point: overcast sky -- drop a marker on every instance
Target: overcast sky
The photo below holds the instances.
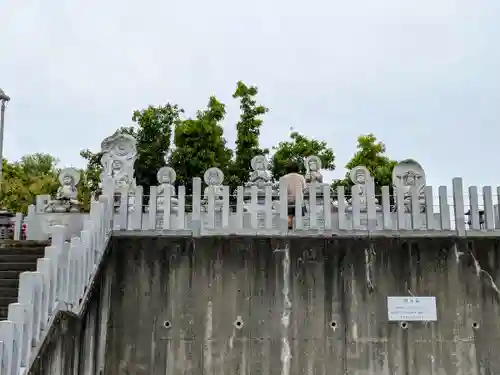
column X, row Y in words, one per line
column 423, row 76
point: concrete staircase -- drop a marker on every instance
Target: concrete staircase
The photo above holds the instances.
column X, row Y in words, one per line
column 16, row 257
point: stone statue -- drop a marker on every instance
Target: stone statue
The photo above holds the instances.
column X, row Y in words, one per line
column 119, row 154
column 213, row 178
column 313, row 167
column 261, row 178
column 362, row 178
column 314, row 177
column 166, row 177
column 409, row 176
column 66, row 198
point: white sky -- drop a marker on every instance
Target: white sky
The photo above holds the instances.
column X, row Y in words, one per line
column 422, row 75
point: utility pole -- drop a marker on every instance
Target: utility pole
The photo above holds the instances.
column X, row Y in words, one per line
column 4, row 98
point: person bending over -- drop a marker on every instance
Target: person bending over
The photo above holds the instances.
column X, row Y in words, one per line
column 293, row 181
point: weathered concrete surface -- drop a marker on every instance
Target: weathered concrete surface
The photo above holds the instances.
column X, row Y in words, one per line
column 60, row 347
column 170, row 305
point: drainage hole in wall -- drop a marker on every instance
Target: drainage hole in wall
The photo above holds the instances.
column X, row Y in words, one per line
column 403, row 325
column 475, row 325
column 167, row 324
column 238, row 323
column 333, row 324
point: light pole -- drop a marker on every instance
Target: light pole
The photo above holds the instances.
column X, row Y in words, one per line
column 4, row 98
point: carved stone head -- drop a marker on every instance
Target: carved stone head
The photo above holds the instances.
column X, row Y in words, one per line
column 360, row 175
column 410, row 178
column 259, row 163
column 69, row 177
column 313, row 163
column 213, row 176
column 409, row 174
column 166, row 175
column 124, row 146
column 68, row 180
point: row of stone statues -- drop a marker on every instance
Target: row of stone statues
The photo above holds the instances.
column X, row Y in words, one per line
column 407, row 175
column 119, row 153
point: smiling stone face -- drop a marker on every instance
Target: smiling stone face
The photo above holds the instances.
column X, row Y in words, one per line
column 68, row 180
column 360, row 177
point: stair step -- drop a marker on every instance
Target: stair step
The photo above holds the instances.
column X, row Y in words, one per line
column 4, row 312
column 20, row 258
column 5, row 301
column 20, row 267
column 39, row 251
column 9, row 275
column 9, row 292
column 23, row 244
column 9, row 283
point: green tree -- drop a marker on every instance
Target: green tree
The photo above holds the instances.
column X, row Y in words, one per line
column 247, row 133
column 200, row 144
column 371, row 154
column 153, row 141
column 298, row 149
column 32, row 175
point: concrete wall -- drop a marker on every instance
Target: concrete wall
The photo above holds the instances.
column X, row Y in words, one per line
column 171, row 305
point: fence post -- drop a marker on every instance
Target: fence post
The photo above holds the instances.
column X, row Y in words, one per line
column 7, row 336
column 44, row 266
column 136, row 216
column 26, row 298
column 181, row 215
column 225, row 207
column 240, row 211
column 32, row 225
column 458, row 205
column 37, row 282
column 313, row 207
column 18, row 224
column 283, row 217
column 17, row 314
column 196, row 207
column 341, row 208
column 268, row 207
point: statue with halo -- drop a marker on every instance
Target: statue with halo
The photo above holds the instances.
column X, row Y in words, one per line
column 313, row 167
column 67, row 195
column 213, row 178
column 409, row 176
column 119, row 152
column 261, row 178
column 362, row 178
column 166, row 177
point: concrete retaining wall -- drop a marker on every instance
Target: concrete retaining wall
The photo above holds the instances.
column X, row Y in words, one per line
column 256, row 305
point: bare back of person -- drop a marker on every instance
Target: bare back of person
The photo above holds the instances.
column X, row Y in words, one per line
column 294, row 181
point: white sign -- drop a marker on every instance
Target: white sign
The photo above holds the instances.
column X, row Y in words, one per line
column 412, row 309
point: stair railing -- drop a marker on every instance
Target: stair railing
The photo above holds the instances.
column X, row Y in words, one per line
column 59, row 283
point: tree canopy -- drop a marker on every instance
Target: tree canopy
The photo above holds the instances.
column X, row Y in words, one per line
column 23, row 180
column 247, row 133
column 199, row 144
column 154, row 132
column 297, row 149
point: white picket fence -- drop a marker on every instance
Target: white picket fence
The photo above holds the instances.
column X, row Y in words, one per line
column 214, row 218
column 62, row 276
column 59, row 282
